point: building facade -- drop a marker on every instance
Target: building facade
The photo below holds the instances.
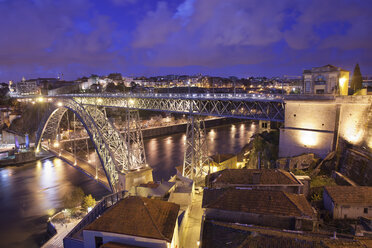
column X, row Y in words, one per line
column 29, row 87
column 315, row 124
column 348, row 202
column 326, row 79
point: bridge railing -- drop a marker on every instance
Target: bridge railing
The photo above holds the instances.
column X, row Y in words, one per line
column 238, row 96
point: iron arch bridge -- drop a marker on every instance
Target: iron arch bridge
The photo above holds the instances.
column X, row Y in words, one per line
column 242, row 106
column 115, row 153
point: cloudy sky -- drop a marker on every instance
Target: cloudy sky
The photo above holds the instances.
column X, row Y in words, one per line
column 41, row 38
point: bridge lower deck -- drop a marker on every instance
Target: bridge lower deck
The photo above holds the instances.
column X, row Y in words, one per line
column 82, row 165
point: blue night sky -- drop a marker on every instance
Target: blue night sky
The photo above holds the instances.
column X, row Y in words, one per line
column 41, row 38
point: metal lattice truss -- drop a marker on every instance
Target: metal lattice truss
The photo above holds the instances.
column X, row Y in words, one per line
column 134, row 139
column 117, row 144
column 49, row 125
column 109, row 144
column 196, row 160
column 253, row 109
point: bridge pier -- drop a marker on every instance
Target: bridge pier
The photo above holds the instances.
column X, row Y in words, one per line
column 196, row 160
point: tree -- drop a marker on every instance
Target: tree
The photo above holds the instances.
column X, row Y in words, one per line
column 74, row 199
column 88, row 202
column 356, row 82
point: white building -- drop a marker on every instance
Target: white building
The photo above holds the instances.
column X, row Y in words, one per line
column 348, row 202
column 28, row 87
column 135, row 221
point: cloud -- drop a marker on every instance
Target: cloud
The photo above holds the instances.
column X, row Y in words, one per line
column 221, row 33
column 155, row 28
column 81, row 36
column 48, row 36
column 123, row 2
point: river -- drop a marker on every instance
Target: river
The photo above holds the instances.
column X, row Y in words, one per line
column 30, row 193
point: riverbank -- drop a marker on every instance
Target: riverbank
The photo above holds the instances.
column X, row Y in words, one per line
column 181, row 128
column 24, row 158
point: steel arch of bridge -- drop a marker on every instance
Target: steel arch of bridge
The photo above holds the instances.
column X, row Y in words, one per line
column 243, row 108
column 107, row 140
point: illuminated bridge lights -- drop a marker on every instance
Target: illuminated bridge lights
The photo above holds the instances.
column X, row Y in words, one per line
column 244, row 106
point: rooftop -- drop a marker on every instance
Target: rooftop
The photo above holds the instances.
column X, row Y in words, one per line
column 350, row 194
column 324, row 68
column 219, row 158
column 220, row 234
column 138, row 216
column 155, row 189
column 252, row 176
column 151, row 185
column 258, row 201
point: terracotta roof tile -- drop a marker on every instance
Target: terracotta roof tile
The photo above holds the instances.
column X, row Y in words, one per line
column 258, row 201
column 252, row 176
column 218, row 234
column 350, row 194
column 138, row 216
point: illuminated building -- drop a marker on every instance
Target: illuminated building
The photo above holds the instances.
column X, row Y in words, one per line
column 326, row 79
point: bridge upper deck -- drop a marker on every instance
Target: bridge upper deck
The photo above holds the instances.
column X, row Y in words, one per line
column 244, row 106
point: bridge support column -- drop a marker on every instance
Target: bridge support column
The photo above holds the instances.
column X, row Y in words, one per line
column 196, row 160
column 134, row 138
column 136, row 152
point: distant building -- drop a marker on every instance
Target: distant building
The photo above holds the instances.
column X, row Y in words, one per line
column 135, row 222
column 268, row 179
column 27, row 87
column 259, row 207
column 326, row 79
column 348, row 202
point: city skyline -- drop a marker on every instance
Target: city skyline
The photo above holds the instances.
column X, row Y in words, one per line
column 141, row 37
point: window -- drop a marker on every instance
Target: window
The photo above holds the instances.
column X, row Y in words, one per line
column 98, row 241
column 307, row 86
column 366, row 210
column 264, row 124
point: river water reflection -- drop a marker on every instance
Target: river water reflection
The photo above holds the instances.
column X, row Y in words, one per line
column 29, row 194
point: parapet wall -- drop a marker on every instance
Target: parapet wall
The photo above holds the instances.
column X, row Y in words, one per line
column 356, row 120
column 314, row 126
